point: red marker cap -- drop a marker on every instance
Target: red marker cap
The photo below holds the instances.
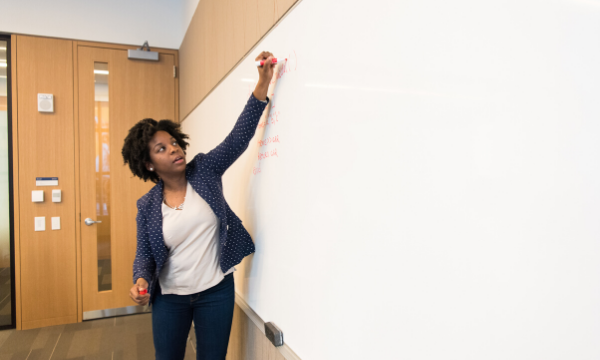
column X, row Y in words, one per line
column 143, row 292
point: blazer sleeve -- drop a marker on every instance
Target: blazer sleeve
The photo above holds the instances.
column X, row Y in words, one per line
column 224, row 155
column 144, row 264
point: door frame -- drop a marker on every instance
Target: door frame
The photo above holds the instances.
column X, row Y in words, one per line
column 78, row 236
column 11, row 189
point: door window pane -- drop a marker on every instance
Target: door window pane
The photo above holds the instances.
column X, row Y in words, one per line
column 5, row 259
column 102, row 176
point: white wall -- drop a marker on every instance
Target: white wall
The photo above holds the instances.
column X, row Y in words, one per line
column 161, row 22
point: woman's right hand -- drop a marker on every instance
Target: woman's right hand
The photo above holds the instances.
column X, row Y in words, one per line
column 134, row 293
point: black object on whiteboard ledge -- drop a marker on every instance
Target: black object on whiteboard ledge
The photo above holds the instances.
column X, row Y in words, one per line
column 274, row 334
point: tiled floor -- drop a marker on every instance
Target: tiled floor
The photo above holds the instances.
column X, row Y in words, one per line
column 126, row 337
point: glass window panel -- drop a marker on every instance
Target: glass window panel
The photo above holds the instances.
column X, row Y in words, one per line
column 102, row 176
column 5, row 259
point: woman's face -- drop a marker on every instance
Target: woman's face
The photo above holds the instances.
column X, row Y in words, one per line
column 166, row 155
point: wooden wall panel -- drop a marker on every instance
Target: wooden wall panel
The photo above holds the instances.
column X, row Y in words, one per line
column 251, row 29
column 220, row 34
column 47, row 258
column 247, row 342
column 266, row 15
column 236, row 8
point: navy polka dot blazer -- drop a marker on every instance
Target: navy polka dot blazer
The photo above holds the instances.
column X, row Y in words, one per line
column 204, row 173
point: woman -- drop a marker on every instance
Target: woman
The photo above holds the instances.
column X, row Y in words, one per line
column 188, row 239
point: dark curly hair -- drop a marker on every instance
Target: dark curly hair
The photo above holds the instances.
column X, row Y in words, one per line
column 136, row 152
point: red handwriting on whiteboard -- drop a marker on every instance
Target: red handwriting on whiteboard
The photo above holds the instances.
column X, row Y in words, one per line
column 288, row 66
column 267, row 154
column 272, row 119
column 269, row 140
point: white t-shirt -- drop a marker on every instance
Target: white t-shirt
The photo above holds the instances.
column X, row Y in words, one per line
column 192, row 236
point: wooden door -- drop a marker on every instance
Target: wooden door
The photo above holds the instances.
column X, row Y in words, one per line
column 45, row 260
column 114, row 94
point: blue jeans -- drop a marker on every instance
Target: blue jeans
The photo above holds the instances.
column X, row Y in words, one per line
column 212, row 312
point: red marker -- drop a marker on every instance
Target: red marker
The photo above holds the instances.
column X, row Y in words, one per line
column 143, row 291
column 273, row 61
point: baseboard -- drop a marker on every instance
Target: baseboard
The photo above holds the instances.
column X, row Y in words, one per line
column 285, row 350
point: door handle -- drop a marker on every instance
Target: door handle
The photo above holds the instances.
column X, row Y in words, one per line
column 90, row 222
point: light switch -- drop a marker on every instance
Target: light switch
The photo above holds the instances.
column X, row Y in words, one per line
column 37, row 196
column 56, row 195
column 40, row 223
column 56, row 223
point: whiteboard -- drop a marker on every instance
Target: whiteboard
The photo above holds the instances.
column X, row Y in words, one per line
column 431, row 189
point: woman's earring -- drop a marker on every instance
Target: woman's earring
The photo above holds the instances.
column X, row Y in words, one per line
column 151, row 169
